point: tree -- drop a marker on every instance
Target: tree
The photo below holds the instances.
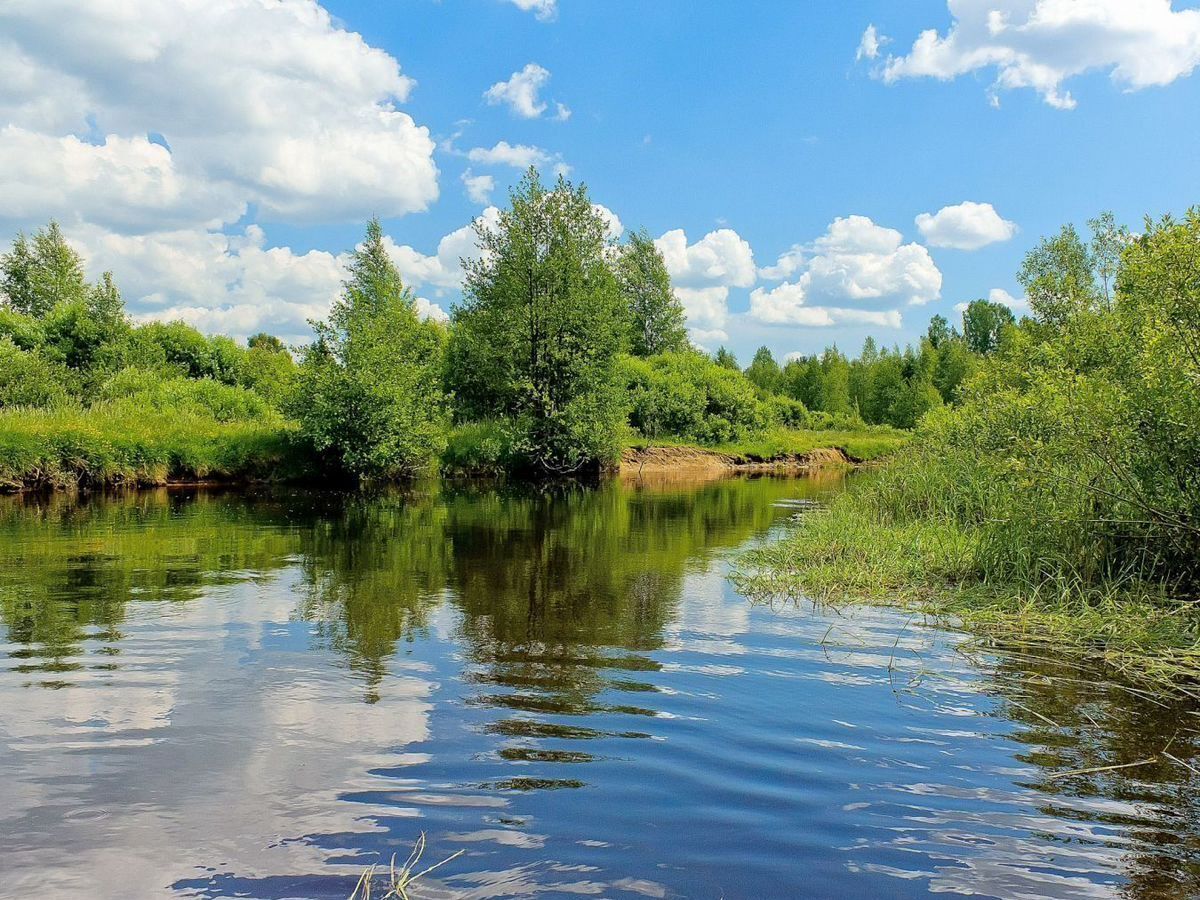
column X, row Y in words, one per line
column 369, row 391
column 939, row 331
column 267, row 342
column 656, row 317
column 1108, row 241
column 1058, row 277
column 764, row 372
column 726, row 360
column 835, row 383
column 541, row 324
column 983, row 324
column 40, row 274
column 954, row 363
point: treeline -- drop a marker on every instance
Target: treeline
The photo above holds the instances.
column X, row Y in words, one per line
column 566, row 345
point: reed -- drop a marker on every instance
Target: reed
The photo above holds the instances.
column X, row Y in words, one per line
column 904, row 545
column 396, row 882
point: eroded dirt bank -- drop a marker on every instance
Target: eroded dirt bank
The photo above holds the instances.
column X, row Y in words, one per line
column 691, row 462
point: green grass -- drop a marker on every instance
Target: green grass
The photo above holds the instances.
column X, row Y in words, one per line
column 851, row 553
column 120, row 443
column 868, row 444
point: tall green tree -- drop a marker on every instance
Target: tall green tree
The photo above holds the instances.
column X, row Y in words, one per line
column 369, row 390
column 541, row 324
column 1059, row 278
column 983, row 325
column 656, row 317
column 1109, row 240
column 37, row 275
column 938, row 332
column 726, row 360
column 764, row 372
column 264, row 341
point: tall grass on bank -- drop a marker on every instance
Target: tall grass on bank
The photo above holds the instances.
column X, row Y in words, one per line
column 902, row 537
column 120, row 443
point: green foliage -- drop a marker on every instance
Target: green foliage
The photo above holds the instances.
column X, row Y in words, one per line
column 984, row 323
column 1067, row 478
column 181, row 348
column 143, row 389
column 656, row 318
column 369, row 392
column 269, row 373
column 27, row 378
column 689, row 396
column 787, row 413
column 24, row 331
column 37, row 275
column 764, row 373
column 542, row 322
column 939, row 332
column 480, row 448
column 726, row 360
column 113, row 444
column 1059, row 278
column 264, row 341
column 955, row 364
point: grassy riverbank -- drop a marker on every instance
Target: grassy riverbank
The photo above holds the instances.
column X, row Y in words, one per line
column 1058, row 502
column 122, row 444
column 857, row 551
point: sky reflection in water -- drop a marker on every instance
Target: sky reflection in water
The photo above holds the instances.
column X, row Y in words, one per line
column 222, row 694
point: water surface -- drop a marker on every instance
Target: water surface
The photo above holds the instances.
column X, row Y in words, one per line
column 259, row 694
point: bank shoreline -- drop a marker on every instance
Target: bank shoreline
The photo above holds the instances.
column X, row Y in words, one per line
column 692, row 461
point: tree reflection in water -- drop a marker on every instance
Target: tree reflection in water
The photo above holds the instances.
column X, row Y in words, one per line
column 575, row 639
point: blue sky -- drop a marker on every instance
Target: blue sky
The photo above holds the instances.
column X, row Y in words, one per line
column 767, row 123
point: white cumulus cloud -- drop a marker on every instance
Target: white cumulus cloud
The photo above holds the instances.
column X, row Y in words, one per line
column 521, row 92
column 857, row 272
column 273, row 104
column 518, row 156
column 442, row 269
column 230, row 284
column 868, row 46
column 722, row 257
column 479, row 187
column 1041, row 44
column 966, row 226
column 703, row 273
column 148, row 129
column 544, row 10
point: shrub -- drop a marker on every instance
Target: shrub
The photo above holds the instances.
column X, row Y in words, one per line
column 27, row 378
column 788, row 413
column 687, row 395
column 480, row 448
column 202, row 396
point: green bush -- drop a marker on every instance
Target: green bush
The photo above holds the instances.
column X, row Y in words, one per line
column 788, row 413
column 481, row 448
column 369, row 392
column 687, row 395
column 23, row 330
column 201, row 396
column 1074, row 455
column 27, row 378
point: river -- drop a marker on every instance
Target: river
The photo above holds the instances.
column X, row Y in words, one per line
column 259, row 693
